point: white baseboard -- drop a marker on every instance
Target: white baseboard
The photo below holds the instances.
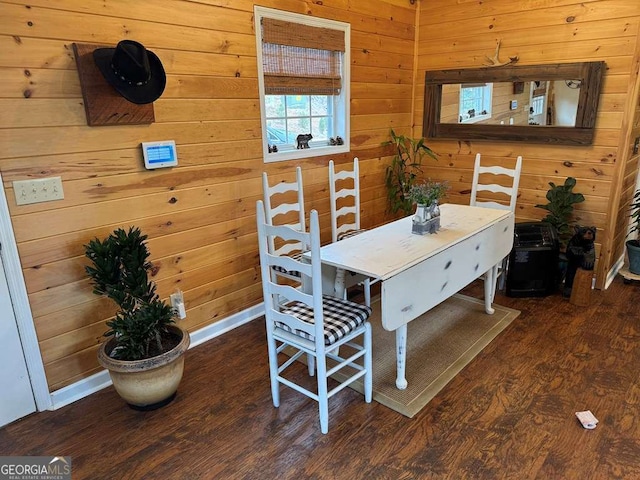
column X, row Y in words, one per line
column 80, row 389
column 100, row 380
column 615, row 268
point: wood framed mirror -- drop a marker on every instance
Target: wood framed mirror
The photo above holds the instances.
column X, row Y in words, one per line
column 553, row 103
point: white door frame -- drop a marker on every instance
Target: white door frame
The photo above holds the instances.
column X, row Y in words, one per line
column 21, row 307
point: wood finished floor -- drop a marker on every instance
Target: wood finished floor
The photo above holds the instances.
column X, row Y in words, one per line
column 508, row 414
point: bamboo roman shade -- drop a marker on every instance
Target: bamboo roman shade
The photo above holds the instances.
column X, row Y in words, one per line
column 301, row 59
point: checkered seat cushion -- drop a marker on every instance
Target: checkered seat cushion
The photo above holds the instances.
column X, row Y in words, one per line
column 293, row 273
column 341, row 317
column 350, row 233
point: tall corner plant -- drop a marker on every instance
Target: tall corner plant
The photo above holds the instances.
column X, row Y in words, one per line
column 561, row 199
column 120, row 270
column 405, row 168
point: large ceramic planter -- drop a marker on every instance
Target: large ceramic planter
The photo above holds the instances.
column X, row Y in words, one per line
column 633, row 252
column 150, row 383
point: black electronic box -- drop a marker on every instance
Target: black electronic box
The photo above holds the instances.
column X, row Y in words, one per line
column 533, row 262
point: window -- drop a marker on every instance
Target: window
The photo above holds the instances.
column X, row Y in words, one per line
column 303, row 76
column 537, row 105
column 475, row 102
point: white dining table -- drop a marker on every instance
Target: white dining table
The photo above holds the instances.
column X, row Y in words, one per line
column 420, row 271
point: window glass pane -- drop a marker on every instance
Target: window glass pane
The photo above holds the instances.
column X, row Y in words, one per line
column 320, row 104
column 274, row 105
column 277, row 132
column 297, row 105
column 297, row 126
column 320, row 128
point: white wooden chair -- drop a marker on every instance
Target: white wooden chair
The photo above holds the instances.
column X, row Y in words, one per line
column 344, row 196
column 310, row 323
column 485, row 179
column 345, row 201
column 284, row 205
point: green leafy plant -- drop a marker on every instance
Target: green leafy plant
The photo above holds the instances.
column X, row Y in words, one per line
column 561, row 200
column 428, row 192
column 404, row 170
column 120, row 270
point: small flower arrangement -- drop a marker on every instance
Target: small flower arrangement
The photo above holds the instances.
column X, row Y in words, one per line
column 428, row 192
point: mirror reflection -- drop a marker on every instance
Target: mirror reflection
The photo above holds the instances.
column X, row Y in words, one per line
column 534, row 103
column 528, row 103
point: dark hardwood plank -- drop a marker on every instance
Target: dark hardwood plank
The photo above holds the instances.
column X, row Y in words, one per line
column 508, row 414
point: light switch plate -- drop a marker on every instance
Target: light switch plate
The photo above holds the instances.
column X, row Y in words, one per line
column 38, row 190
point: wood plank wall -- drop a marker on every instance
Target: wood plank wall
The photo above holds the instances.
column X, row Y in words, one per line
column 200, row 216
column 460, row 34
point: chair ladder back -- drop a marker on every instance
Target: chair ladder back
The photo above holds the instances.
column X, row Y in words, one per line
column 352, row 196
column 270, row 194
column 510, row 191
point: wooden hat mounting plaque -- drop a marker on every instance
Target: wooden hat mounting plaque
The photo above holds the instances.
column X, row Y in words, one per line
column 103, row 105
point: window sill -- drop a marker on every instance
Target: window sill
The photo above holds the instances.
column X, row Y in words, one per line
column 477, row 119
column 304, row 153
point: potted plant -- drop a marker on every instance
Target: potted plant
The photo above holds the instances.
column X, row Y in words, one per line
column 404, row 170
column 426, row 196
column 145, row 350
column 561, row 200
column 633, row 246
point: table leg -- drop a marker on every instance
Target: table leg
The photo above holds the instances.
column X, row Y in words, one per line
column 401, row 356
column 490, row 278
column 339, row 288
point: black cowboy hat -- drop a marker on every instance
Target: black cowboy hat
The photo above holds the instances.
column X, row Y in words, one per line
column 135, row 72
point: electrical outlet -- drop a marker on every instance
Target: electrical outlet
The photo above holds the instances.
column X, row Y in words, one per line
column 38, row 190
column 177, row 302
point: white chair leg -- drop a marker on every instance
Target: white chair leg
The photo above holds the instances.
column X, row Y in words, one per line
column 503, row 273
column 323, row 400
column 368, row 365
column 311, row 364
column 273, row 371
